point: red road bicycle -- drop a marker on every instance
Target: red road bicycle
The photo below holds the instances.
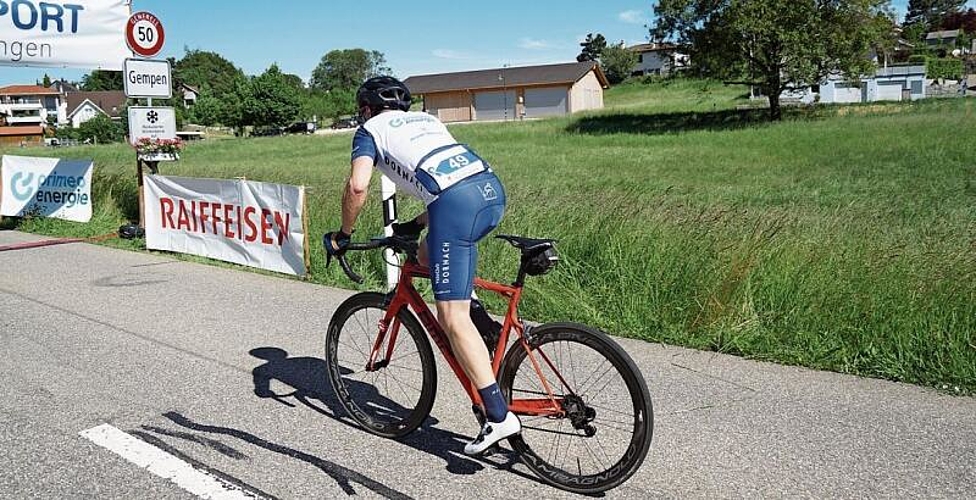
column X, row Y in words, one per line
column 586, row 413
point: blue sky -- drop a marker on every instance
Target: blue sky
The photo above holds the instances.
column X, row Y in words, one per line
column 416, row 37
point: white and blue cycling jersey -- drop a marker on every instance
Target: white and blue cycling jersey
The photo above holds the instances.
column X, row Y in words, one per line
column 464, row 199
column 417, row 152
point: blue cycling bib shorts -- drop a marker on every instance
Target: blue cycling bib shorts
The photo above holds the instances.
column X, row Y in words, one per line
column 460, row 217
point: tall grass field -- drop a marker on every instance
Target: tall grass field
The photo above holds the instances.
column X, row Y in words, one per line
column 843, row 238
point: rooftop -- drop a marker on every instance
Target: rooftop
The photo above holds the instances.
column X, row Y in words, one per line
column 550, row 74
column 24, row 130
column 939, row 35
column 652, row 47
column 27, row 90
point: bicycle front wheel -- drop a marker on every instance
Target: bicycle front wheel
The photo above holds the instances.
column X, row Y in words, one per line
column 394, row 396
column 604, row 431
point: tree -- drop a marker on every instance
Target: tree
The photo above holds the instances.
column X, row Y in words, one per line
column 102, row 80
column 965, row 21
column 593, row 47
column 46, row 83
column 207, row 72
column 776, row 44
column 208, row 111
column 618, row 62
column 100, row 129
column 272, row 100
column 347, row 69
column 930, row 13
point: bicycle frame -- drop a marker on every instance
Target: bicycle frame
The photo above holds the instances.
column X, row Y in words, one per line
column 406, row 295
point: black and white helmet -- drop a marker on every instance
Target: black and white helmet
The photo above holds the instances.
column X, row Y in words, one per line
column 383, row 92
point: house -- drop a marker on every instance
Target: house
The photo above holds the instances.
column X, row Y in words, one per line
column 22, row 135
column 29, row 105
column 658, row 59
column 894, row 83
column 190, row 94
column 946, row 38
column 83, row 106
column 511, row 92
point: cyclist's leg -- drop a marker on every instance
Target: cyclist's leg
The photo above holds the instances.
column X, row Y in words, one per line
column 457, row 220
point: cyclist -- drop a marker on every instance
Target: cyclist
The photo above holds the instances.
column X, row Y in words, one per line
column 464, row 201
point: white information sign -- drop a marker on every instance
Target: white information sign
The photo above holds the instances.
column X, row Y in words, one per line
column 46, row 187
column 151, row 122
column 86, row 34
column 253, row 224
column 147, row 79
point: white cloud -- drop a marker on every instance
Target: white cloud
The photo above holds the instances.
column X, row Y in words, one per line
column 633, row 17
column 533, row 44
column 449, row 54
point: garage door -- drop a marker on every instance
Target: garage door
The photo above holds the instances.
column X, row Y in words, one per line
column 545, row 102
column 847, row 93
column 890, row 91
column 494, row 105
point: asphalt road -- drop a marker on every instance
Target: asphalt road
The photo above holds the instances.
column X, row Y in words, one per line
column 169, row 352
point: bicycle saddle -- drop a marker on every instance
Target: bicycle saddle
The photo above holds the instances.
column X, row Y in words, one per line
column 527, row 245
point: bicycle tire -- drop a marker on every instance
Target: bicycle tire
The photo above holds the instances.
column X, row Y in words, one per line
column 395, row 399
column 603, row 362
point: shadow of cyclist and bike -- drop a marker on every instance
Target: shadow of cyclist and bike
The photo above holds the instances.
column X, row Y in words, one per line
column 307, row 377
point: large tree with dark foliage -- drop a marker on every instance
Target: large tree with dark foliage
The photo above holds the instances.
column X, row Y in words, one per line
column 207, row 72
column 930, row 13
column 775, row 44
column 272, row 100
column 347, row 69
column 592, row 47
column 102, row 80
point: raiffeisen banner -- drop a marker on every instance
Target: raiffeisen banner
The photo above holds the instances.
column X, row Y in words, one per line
column 86, row 34
column 254, row 224
column 46, row 187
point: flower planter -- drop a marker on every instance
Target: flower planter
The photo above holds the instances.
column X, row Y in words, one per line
column 159, row 156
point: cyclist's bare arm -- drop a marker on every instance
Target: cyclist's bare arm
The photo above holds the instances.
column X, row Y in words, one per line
column 354, row 197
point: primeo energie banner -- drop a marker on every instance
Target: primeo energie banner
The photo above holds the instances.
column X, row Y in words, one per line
column 46, row 187
column 86, row 34
column 254, row 224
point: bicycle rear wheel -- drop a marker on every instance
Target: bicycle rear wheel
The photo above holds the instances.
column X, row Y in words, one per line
column 605, row 432
column 395, row 397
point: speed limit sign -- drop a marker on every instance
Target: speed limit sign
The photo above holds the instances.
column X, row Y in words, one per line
column 144, row 34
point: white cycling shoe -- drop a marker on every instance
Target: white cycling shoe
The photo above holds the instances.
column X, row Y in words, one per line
column 493, row 432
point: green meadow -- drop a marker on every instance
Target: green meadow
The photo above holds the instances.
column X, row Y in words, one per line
column 842, row 238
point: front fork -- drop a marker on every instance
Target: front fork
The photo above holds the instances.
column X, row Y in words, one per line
column 385, row 328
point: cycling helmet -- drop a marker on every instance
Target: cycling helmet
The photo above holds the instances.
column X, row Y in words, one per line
column 383, row 92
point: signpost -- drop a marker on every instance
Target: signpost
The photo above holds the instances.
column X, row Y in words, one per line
column 151, row 122
column 147, row 79
column 145, row 35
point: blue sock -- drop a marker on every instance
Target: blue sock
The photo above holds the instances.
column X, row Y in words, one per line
column 495, row 406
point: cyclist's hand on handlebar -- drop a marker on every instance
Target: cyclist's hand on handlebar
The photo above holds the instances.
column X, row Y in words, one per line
column 336, row 243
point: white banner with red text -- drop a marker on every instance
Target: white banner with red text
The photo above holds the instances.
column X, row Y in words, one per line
column 87, row 34
column 46, row 187
column 254, row 224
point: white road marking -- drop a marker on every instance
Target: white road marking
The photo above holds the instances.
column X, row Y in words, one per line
column 164, row 465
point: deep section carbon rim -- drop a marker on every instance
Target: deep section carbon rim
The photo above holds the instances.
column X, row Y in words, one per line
column 394, row 398
column 606, row 432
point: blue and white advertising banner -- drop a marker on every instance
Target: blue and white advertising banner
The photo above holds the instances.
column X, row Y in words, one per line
column 87, row 34
column 46, row 187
